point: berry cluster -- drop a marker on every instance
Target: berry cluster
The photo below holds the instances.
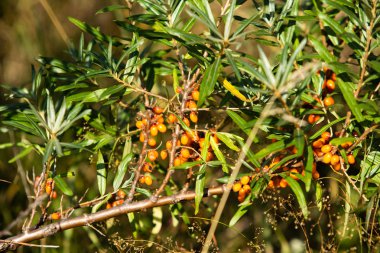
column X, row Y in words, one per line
column 49, row 187
column 242, row 187
column 328, row 87
column 327, row 153
column 117, row 199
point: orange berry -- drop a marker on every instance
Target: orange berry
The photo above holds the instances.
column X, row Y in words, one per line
column 185, row 153
column 317, row 117
column 191, row 104
column 346, row 144
column 330, row 84
column 334, row 160
column 318, row 143
column 159, row 118
column 351, row 159
column 201, row 142
column 245, row 180
column 121, row 194
column 293, row 173
column 186, row 121
column 49, row 186
column 152, row 155
column 242, row 192
column 209, row 156
column 54, row 195
column 158, row 110
column 117, row 202
column 271, row 184
column 142, row 180
column 108, row 206
column 55, row 216
column 247, row 188
column 177, row 161
column 139, row 124
column 164, row 154
column 337, row 166
column 318, row 152
column 333, row 76
column 195, row 95
column 326, row 136
column 311, row 119
column 162, row 128
column 169, row 145
column 326, row 148
column 194, row 117
column 328, row 101
column 241, row 197
column 236, row 187
column 142, row 137
column 283, row 183
column 152, row 142
column 153, row 130
column 184, row 139
column 327, row 158
column 315, row 175
column 314, row 167
column 147, row 167
column 178, row 90
column 148, row 180
column 172, row 118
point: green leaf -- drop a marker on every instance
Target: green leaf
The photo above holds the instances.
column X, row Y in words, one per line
column 91, row 30
column 21, row 154
column 318, row 196
column 187, row 165
column 274, row 147
column 121, row 170
column 209, row 79
column 239, row 213
column 339, row 141
column 96, row 207
column 322, row 50
column 324, row 128
column 226, row 138
column 296, row 188
column 48, row 150
column 309, row 167
column 299, row 141
column 62, row 185
column 219, row 155
column 242, row 124
column 101, row 172
column 199, row 188
column 228, row 24
column 348, row 94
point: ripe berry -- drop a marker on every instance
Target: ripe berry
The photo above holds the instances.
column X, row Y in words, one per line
column 161, row 127
column 139, row 124
column 184, row 139
column 271, row 184
column 241, row 197
column 163, row 154
column 158, row 110
column 337, row 166
column 108, row 206
column 148, row 180
column 209, row 156
column 194, row 117
column 333, row 76
column 293, row 173
column 351, row 159
column 152, row 155
column 346, row 144
column 49, row 185
column 142, row 137
column 152, row 142
column 153, row 130
column 318, row 143
column 283, row 183
column 315, row 175
column 159, row 118
column 177, row 161
column 55, row 216
column 142, row 180
column 191, row 104
column 326, row 136
column 54, row 195
column 334, row 160
column 121, row 194
column 186, row 121
column 326, row 148
column 117, row 202
column 328, row 101
column 147, row 167
column 236, row 187
column 185, row 153
column 172, row 118
column 169, row 145
column 195, row 95
column 247, row 188
column 330, row 84
column 245, row 180
column 327, row 158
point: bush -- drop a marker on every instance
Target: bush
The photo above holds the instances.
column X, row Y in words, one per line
column 278, row 102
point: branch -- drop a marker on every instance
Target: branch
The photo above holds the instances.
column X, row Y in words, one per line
column 13, row 242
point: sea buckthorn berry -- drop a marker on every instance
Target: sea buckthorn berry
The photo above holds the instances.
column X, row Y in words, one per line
column 324, row 84
column 163, row 154
column 318, row 152
column 314, row 167
column 334, row 160
column 242, row 192
column 326, row 136
column 317, row 117
column 108, row 206
column 147, row 167
column 194, row 117
column 121, row 194
column 54, row 195
column 328, row 101
column 326, row 148
column 327, row 158
column 49, row 185
column 159, row 118
column 351, row 159
column 318, row 143
column 337, row 166
column 245, row 180
column 315, row 175
column 55, row 216
column 333, row 76
column 142, row 180
column 178, row 90
column 346, row 144
column 185, row 153
column 311, row 119
column 293, row 173
column 186, row 121
column 209, row 156
column 191, row 104
column 152, row 155
column 271, row 184
column 169, row 145
column 148, row 180
column 201, row 142
column 158, row 110
column 195, row 95
column 172, row 118
column 247, row 188
column 153, row 130
column 177, row 161
column 152, row 142
column 241, row 197
column 162, row 128
column 330, row 84
column 142, row 137
column 236, row 187
column 184, row 139
column 117, row 202
column 139, row 124
column 283, row 183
